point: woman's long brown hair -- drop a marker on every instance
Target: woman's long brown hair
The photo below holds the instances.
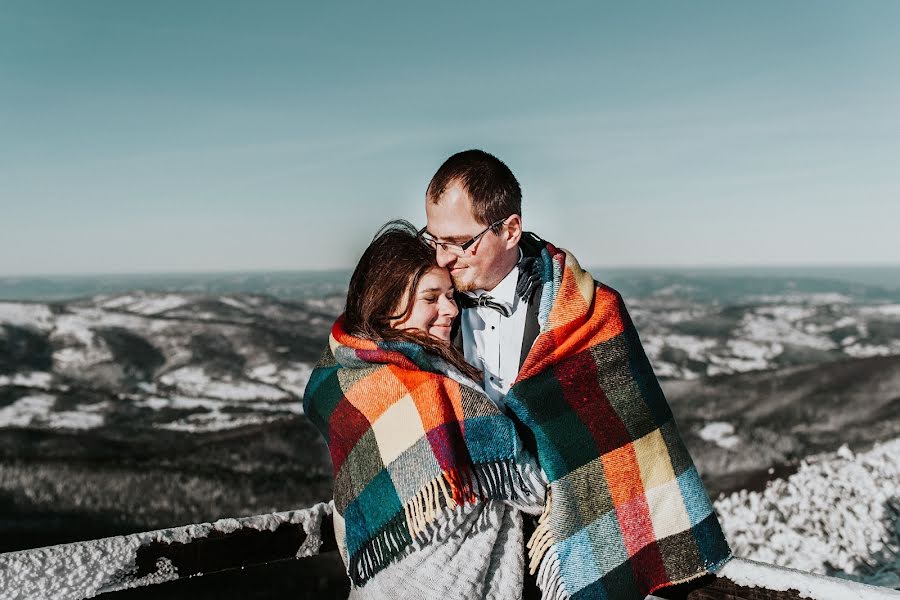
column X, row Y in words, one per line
column 383, row 288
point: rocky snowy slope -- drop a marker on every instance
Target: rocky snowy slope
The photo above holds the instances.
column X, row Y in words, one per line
column 839, row 514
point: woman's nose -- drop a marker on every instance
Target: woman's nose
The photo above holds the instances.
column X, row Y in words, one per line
column 448, row 307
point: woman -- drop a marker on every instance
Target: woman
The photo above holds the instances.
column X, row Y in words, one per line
column 463, row 537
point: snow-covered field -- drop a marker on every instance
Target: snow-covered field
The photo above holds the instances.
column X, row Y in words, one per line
column 185, row 362
column 839, row 514
column 707, row 340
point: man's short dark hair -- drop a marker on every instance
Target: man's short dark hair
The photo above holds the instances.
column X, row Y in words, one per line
column 493, row 188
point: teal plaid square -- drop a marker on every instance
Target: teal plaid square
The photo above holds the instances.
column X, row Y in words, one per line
column 490, row 438
column 381, row 502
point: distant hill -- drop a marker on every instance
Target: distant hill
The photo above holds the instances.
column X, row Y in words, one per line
column 740, row 426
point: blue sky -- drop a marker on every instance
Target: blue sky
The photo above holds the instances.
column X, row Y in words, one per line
column 198, row 136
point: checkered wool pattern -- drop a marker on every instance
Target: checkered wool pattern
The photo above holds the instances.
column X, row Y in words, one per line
column 409, row 437
column 628, row 513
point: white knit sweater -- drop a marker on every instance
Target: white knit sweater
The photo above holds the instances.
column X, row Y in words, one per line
column 477, row 551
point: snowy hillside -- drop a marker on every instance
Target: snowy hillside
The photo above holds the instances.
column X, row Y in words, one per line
column 687, row 341
column 163, row 360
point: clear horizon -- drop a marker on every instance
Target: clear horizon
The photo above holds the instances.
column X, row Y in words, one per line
column 661, row 267
column 222, row 137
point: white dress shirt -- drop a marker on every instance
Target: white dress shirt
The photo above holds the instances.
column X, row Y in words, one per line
column 492, row 342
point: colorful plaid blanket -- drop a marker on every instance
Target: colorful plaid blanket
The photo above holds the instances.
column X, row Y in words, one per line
column 627, row 512
column 411, row 438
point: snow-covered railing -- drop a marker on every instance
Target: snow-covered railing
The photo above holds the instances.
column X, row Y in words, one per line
column 86, row 569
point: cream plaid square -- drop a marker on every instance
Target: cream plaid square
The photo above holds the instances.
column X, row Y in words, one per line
column 667, row 510
column 653, row 460
column 398, row 428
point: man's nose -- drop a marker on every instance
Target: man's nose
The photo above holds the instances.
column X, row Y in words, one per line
column 444, row 258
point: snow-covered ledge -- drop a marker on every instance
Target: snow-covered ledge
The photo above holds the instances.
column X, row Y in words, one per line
column 742, row 578
column 85, row 569
column 751, row 574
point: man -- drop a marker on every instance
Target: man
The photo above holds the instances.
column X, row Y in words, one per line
column 473, row 207
column 628, row 513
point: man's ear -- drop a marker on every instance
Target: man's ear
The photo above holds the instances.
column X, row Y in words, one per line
column 513, row 231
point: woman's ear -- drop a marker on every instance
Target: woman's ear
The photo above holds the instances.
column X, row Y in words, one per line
column 513, row 231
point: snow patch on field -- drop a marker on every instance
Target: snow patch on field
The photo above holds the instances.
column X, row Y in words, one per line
column 719, row 433
column 215, row 421
column 774, row 326
column 860, row 350
column 33, row 379
column 292, row 377
column 232, row 302
column 37, row 411
column 838, row 512
column 22, row 314
column 146, row 304
column 26, row 410
column 194, row 381
column 815, row 298
column 85, row 417
column 884, row 310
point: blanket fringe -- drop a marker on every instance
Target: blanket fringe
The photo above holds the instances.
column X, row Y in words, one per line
column 542, row 557
column 542, row 538
column 379, row 551
column 451, row 489
column 549, row 578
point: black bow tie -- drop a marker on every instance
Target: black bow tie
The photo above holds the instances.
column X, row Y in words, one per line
column 466, row 301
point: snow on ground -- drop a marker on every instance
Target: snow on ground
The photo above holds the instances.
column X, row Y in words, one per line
column 213, row 404
column 291, row 377
column 85, row 417
column 194, row 381
column 838, row 513
column 857, row 349
column 215, row 421
column 234, row 303
column 33, row 379
column 883, row 310
column 27, row 409
column 36, row 410
column 720, row 433
column 815, row 298
column 23, row 314
column 774, row 325
column 146, row 304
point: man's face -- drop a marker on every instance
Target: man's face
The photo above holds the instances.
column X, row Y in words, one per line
column 451, row 220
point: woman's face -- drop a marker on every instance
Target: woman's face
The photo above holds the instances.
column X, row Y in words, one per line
column 433, row 307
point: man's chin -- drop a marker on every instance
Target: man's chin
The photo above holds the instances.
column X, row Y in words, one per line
column 463, row 285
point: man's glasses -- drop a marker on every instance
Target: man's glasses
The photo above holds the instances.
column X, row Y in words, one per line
column 457, row 249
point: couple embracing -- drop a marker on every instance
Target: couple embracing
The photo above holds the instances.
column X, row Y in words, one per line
column 495, row 427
